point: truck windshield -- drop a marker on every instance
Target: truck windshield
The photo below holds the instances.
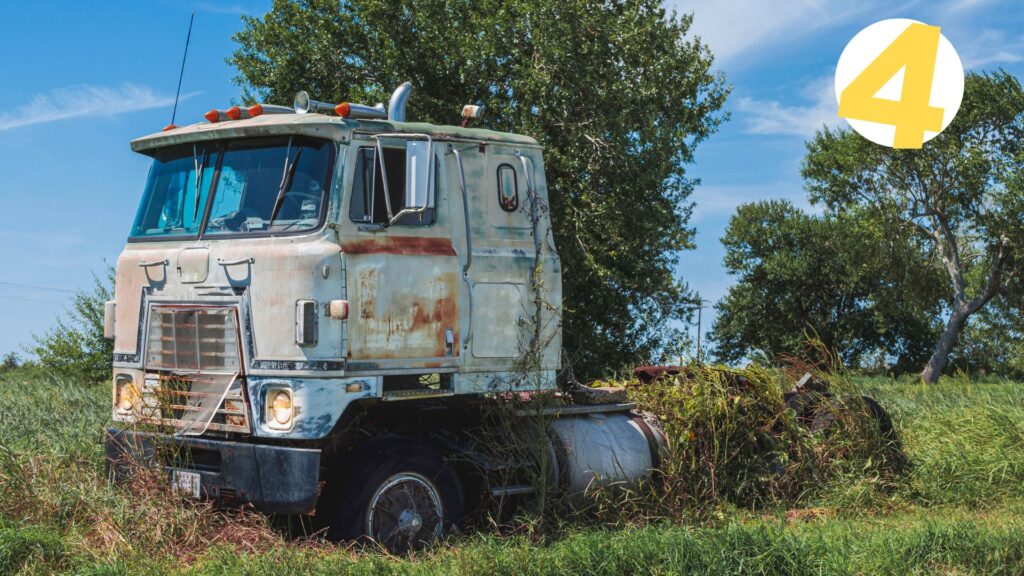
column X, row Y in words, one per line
column 247, row 187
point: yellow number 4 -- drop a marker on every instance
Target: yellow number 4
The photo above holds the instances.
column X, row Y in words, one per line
column 915, row 50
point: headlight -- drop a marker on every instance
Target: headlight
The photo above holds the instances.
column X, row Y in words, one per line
column 280, row 410
column 126, row 395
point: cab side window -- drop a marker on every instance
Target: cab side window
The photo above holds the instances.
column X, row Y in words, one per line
column 369, row 204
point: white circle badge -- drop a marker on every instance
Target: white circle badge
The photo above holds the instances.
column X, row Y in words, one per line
column 899, row 83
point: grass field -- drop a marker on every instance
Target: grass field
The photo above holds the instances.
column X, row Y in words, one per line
column 956, row 510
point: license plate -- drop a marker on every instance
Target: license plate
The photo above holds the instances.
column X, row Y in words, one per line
column 186, row 483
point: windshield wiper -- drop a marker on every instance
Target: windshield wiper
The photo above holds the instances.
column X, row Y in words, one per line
column 286, row 181
column 199, row 179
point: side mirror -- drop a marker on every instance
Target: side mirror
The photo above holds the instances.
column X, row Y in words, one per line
column 418, row 181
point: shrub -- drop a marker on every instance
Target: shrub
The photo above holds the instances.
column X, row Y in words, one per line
column 10, row 361
column 75, row 348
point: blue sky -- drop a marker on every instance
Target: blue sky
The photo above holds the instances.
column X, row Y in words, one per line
column 83, row 79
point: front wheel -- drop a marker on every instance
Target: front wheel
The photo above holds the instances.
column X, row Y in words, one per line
column 401, row 495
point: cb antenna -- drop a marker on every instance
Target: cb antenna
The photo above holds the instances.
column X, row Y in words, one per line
column 181, row 74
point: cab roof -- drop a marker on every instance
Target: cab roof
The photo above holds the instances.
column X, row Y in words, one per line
column 318, row 126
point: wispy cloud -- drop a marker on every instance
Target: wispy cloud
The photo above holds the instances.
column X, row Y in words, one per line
column 773, row 117
column 963, row 5
column 84, row 100
column 989, row 47
column 737, row 28
column 719, row 202
column 234, row 9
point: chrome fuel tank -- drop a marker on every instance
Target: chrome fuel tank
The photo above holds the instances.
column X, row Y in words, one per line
column 603, row 449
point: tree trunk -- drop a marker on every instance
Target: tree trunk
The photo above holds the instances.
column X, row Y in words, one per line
column 940, row 356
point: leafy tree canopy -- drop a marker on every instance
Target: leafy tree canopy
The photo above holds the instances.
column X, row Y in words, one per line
column 618, row 94
column 858, row 283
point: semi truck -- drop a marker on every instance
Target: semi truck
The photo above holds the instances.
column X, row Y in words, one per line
column 320, row 307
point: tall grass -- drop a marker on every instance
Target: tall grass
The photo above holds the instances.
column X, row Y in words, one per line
column 956, row 508
column 965, row 438
column 57, row 504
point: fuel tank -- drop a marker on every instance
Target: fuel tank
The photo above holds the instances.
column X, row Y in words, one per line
column 605, row 449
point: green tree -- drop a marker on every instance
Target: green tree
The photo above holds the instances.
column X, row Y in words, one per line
column 617, row 93
column 75, row 348
column 962, row 194
column 993, row 340
column 859, row 284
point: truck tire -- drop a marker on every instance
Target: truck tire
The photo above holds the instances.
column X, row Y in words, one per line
column 399, row 494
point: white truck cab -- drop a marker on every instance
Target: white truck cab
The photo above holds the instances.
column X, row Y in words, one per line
column 307, row 297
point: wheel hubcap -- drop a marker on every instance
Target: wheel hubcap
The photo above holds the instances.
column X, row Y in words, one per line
column 405, row 513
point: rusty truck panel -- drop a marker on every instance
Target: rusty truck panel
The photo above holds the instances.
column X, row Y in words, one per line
column 399, row 318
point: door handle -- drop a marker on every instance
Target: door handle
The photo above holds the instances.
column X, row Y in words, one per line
column 223, row 262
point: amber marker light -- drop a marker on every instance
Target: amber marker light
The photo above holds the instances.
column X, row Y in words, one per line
column 169, row 127
column 343, row 109
column 212, row 116
column 256, row 110
column 234, row 113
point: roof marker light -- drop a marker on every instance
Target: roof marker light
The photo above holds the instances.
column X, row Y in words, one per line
column 234, row 113
column 212, row 116
column 255, row 110
column 169, row 127
column 343, row 110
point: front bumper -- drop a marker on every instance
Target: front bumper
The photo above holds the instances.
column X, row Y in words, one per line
column 274, row 479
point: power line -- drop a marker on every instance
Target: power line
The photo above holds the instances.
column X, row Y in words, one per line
column 30, row 299
column 34, row 287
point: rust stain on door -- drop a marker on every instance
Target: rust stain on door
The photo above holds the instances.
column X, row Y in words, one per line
column 402, row 319
column 404, row 245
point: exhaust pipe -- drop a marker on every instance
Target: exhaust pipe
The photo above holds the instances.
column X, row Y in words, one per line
column 396, row 104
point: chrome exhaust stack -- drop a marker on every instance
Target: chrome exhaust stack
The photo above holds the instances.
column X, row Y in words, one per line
column 396, row 104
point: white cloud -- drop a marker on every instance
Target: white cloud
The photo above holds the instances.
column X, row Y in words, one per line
column 84, row 100
column 774, row 117
column 733, row 28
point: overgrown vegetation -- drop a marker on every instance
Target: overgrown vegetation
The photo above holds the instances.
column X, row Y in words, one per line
column 734, row 439
column 955, row 508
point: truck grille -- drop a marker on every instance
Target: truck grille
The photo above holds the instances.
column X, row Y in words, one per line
column 194, row 339
column 193, row 381
column 195, row 403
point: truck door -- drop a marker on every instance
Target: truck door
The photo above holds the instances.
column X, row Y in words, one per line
column 402, row 273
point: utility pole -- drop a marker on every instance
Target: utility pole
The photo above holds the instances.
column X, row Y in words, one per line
column 700, row 304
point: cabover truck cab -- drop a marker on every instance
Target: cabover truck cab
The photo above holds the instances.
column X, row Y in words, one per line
column 311, row 309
